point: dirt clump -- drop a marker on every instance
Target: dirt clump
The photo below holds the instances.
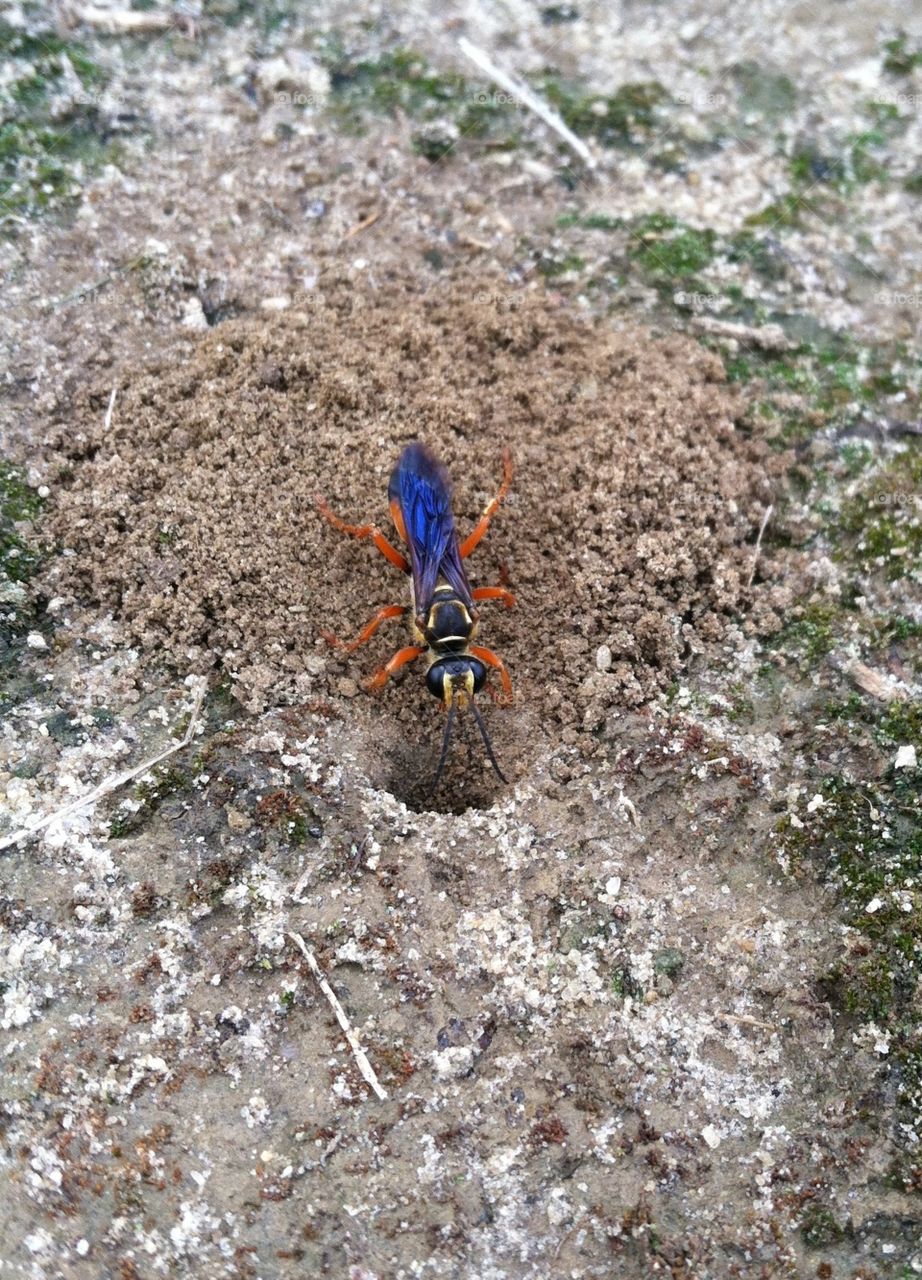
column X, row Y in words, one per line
column 625, row 537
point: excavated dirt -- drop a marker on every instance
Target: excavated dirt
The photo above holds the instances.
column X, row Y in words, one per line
column 625, row 537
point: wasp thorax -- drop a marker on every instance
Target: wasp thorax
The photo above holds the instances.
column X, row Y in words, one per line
column 449, row 625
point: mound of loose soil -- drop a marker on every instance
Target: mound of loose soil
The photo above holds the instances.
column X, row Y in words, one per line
column 625, row 539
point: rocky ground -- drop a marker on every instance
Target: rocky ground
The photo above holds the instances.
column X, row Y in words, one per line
column 654, row 1008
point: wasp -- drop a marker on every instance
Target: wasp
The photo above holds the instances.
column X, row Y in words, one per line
column 442, row 602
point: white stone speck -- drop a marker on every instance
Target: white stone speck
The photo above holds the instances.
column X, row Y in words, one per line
column 905, row 757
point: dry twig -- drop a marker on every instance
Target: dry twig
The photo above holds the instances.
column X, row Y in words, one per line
column 747, row 1021
column 528, row 98
column 361, row 1059
column 365, row 223
column 758, row 548
column 107, row 421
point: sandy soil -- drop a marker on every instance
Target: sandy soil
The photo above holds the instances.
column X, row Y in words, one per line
column 631, row 1014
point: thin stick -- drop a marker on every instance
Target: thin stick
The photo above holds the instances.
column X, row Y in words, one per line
column 110, row 784
column 363, row 1064
column 359, row 227
column 116, row 21
column 523, row 94
column 107, row 421
column 745, row 1019
column 755, row 559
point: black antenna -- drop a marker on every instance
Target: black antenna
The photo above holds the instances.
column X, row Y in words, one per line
column 487, row 743
column 446, row 742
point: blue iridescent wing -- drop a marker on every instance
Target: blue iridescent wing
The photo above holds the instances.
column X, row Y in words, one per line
column 420, row 489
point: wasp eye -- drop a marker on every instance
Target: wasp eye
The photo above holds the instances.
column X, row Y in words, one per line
column 479, row 672
column 434, row 678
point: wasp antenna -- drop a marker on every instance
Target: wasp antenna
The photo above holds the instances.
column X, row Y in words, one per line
column 446, row 743
column 487, row 743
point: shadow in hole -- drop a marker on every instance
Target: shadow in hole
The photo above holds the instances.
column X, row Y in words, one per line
column 467, row 781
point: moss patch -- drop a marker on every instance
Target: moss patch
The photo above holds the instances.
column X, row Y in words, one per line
column 402, row 81
column 51, row 130
column 133, row 816
column 20, row 553
column 881, row 525
column 866, row 839
column 663, row 246
column 626, row 118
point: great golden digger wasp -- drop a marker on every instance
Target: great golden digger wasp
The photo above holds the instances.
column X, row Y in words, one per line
column 442, row 602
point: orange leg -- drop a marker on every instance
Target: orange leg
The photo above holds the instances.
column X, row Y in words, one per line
column 494, row 593
column 400, row 659
column 385, row 612
column 365, row 531
column 491, row 660
column 483, row 524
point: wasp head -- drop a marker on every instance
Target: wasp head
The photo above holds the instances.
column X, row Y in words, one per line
column 455, row 680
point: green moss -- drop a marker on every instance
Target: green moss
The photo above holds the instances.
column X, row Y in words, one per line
column 50, row 136
column 665, row 247
column 819, row 1227
column 551, row 267
column 846, row 162
column 624, row 984
column 164, row 782
column 856, row 458
column 592, row 221
column 19, row 556
column 397, row 81
column 626, row 118
column 759, row 252
column 400, row 80
column 894, row 628
column 788, row 211
column 901, row 725
column 899, row 58
column 867, row 840
column 836, row 377
column 297, row 830
column 880, row 526
column 811, row 637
